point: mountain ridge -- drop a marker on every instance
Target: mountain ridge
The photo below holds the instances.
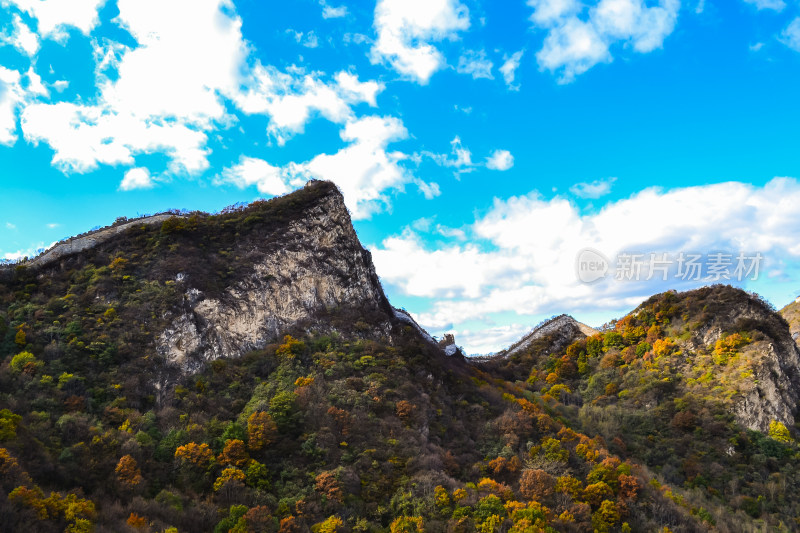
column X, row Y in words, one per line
column 246, row 372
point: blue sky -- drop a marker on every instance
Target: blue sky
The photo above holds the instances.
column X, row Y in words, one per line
column 480, row 145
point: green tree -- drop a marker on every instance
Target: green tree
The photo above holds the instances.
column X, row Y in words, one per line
column 9, row 422
column 20, row 362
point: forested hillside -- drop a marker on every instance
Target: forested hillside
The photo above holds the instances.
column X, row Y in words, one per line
column 701, row 387
column 244, row 372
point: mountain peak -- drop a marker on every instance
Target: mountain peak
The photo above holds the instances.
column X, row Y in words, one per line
column 563, row 328
column 233, row 282
column 309, row 272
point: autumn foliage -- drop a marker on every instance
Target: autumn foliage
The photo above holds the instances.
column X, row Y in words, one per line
column 199, row 455
column 128, row 472
column 261, row 430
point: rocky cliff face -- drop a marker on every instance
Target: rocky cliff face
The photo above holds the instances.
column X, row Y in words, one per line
column 223, row 285
column 303, row 276
column 773, row 391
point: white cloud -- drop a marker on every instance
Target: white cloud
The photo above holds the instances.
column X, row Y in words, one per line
column 35, row 86
column 447, row 272
column 22, row 38
column 54, row 16
column 165, row 94
column 459, row 158
column 291, row 102
column 453, row 233
column 462, row 155
column 364, row 169
column 173, row 84
column 631, row 20
column 791, row 35
column 701, row 6
column 594, row 189
column 356, row 91
column 428, row 190
column 577, row 38
column 178, row 68
column 136, row 178
column 547, row 12
column 252, row 171
column 405, row 29
column 290, row 112
column 33, row 251
column 575, row 47
column 355, row 38
column 309, row 39
column 776, row 5
column 527, row 267
column 490, row 340
column 426, row 225
column 11, row 97
column 330, row 12
column 53, row 225
column 9, row 225
column 509, row 69
column 475, row 64
column 500, row 160
column 85, row 136
column 173, row 88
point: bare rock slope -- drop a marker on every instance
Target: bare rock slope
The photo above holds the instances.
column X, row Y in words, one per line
column 773, row 391
column 310, row 274
column 562, row 330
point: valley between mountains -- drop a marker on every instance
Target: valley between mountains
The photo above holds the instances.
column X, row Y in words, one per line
column 245, row 371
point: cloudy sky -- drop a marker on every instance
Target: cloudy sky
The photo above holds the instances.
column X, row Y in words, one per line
column 480, row 145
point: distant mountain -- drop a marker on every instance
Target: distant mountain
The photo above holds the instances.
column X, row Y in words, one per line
column 549, row 337
column 791, row 313
column 702, row 387
column 245, row 372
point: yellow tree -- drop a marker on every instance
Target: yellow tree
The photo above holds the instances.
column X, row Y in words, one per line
column 234, row 454
column 407, row 524
column 261, row 430
column 229, row 475
column 331, row 525
column 196, row 454
column 128, row 472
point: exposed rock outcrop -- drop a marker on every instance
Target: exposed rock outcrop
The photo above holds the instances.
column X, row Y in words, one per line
column 773, row 391
column 303, row 276
column 563, row 330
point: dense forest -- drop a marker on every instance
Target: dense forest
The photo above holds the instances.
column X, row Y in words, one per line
column 337, row 429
